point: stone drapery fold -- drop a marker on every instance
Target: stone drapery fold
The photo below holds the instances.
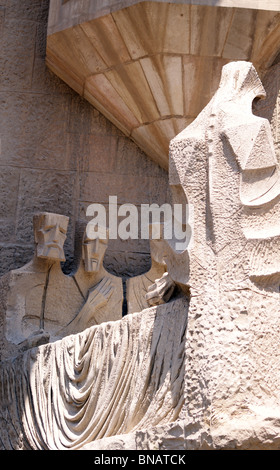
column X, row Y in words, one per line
column 110, row 379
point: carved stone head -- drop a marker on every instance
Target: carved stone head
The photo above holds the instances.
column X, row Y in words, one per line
column 240, row 79
column 93, row 251
column 50, row 234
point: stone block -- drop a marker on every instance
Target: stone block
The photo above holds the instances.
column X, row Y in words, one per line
column 240, row 38
column 83, row 118
column 31, row 11
column 132, row 160
column 201, row 79
column 204, row 21
column 41, row 40
column 14, row 256
column 97, row 187
column 101, row 154
column 166, row 28
column 33, row 130
column 104, row 96
column 268, row 106
column 45, row 81
column 2, row 19
column 105, row 36
column 17, row 54
column 164, row 75
column 9, row 181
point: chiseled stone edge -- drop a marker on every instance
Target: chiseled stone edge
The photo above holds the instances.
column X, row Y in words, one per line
column 260, row 431
column 68, row 14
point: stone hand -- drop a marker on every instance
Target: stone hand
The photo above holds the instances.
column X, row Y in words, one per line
column 99, row 295
column 161, row 291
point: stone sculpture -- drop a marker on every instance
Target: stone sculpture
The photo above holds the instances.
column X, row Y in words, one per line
column 167, row 277
column 137, row 287
column 39, row 303
column 101, row 293
column 107, row 380
column 202, row 370
column 226, row 164
column 24, row 309
column 174, row 281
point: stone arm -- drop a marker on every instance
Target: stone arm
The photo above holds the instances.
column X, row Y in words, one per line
column 98, row 297
column 176, row 277
column 161, row 291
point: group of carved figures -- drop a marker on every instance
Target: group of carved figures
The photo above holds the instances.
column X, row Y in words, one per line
column 224, row 165
column 42, row 303
column 225, row 143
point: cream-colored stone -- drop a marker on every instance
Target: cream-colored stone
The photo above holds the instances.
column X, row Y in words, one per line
column 98, row 89
column 138, row 286
column 171, row 21
column 101, row 293
column 65, row 15
column 112, row 51
column 131, row 84
column 39, row 299
column 90, row 385
column 161, row 61
column 25, row 289
column 205, row 20
column 202, row 370
column 228, row 297
column 164, row 75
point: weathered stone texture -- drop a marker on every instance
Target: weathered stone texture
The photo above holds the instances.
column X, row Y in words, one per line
column 152, row 67
column 270, row 107
column 143, row 348
column 58, row 153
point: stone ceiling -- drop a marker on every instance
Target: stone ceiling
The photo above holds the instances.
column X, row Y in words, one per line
column 152, row 66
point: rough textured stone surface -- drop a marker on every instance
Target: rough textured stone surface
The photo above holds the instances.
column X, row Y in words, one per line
column 112, row 379
column 57, row 151
column 193, row 373
column 151, row 67
column 39, row 303
column 198, row 374
column 233, row 302
column 137, row 286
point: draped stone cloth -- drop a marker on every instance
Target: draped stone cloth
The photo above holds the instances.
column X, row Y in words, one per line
column 110, row 379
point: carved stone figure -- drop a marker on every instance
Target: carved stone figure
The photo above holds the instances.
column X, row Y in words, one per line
column 100, row 296
column 161, row 291
column 167, row 277
column 109, row 379
column 200, row 371
column 226, row 164
column 24, row 302
column 50, row 234
column 138, row 286
column 40, row 303
column 239, row 174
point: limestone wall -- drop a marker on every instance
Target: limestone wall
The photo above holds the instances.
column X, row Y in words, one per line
column 58, row 153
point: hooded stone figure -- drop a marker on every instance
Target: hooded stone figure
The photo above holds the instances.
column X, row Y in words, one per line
column 197, row 373
column 227, row 167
